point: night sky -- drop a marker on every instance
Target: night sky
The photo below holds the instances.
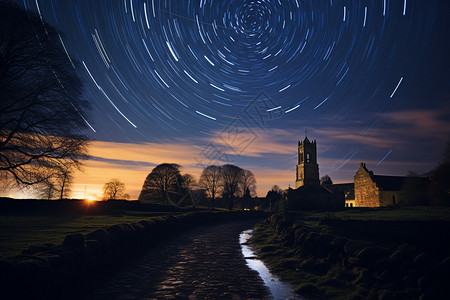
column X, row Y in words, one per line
column 201, row 82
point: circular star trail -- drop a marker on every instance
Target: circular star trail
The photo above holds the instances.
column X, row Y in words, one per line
column 158, row 68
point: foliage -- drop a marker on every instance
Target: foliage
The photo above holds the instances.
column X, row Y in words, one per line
column 326, row 179
column 211, row 181
column 58, row 186
column 64, row 181
column 48, row 191
column 446, row 153
column 114, row 189
column 274, row 196
column 41, row 109
column 162, row 179
column 188, row 182
column 232, row 183
column 228, row 181
column 248, row 183
column 441, row 175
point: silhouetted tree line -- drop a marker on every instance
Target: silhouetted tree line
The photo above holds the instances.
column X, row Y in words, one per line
column 326, row 179
column 227, row 182
column 274, row 197
column 441, row 175
column 115, row 190
column 41, row 105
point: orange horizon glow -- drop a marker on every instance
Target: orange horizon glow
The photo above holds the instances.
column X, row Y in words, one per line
column 271, row 157
column 90, row 182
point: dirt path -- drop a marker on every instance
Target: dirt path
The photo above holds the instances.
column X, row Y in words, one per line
column 204, row 263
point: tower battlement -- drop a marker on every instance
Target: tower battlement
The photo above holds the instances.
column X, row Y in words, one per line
column 307, row 167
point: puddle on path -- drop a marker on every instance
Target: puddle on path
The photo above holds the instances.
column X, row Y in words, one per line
column 280, row 290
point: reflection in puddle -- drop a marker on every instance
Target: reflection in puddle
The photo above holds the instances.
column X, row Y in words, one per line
column 278, row 289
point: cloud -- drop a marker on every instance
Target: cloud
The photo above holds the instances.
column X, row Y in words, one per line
column 429, row 124
column 181, row 152
column 131, row 163
column 268, row 177
column 395, row 130
column 255, row 142
column 396, row 143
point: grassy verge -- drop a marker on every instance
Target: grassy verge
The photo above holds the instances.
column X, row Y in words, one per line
column 284, row 262
column 19, row 231
column 414, row 213
column 334, row 271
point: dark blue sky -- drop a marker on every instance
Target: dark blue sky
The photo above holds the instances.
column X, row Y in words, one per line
column 369, row 79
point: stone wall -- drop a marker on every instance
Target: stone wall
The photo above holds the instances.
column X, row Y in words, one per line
column 367, row 194
column 415, row 266
column 56, row 271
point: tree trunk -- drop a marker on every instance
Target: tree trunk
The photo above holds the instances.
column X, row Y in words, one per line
column 62, row 186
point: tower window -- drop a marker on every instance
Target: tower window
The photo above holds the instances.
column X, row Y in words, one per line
column 307, row 157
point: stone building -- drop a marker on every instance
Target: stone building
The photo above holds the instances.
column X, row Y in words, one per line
column 348, row 189
column 367, row 189
column 307, row 167
column 380, row 190
column 309, row 194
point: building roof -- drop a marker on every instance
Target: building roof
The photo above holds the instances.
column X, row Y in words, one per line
column 311, row 189
column 341, row 187
column 347, row 188
column 396, row 183
column 389, row 183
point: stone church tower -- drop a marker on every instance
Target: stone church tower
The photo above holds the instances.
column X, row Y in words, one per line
column 307, row 168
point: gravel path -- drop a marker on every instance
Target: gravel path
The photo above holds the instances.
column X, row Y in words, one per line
column 203, row 263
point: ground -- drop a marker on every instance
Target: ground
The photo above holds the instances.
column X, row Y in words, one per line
column 328, row 273
column 18, row 231
column 203, row 263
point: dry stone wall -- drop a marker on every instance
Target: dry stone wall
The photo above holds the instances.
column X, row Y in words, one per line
column 51, row 271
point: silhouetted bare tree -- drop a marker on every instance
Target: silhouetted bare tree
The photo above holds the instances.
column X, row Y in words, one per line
column 441, row 175
column 326, row 179
column 211, row 181
column 114, row 189
column 162, row 179
column 274, row 196
column 231, row 183
column 57, row 186
column 248, row 183
column 47, row 190
column 41, row 122
column 188, row 182
column 446, row 153
column 64, row 181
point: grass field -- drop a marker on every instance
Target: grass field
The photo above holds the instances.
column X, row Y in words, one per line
column 29, row 222
column 412, row 213
column 19, row 231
